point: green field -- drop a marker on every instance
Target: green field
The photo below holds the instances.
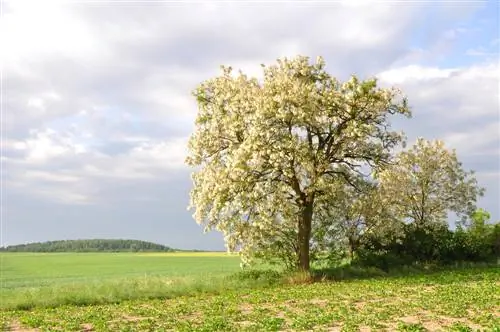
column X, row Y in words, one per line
column 29, row 279
column 200, row 292
column 34, row 269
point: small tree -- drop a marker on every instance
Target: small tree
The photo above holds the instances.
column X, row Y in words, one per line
column 479, row 222
column 427, row 181
column 265, row 151
column 483, row 235
column 355, row 212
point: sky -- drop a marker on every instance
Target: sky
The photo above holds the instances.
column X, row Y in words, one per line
column 97, row 106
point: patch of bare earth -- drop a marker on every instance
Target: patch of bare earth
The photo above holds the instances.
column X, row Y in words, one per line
column 448, row 321
column 293, row 307
column 128, row 318
column 429, row 289
column 319, row 302
column 282, row 315
column 335, row 329
column 87, row 327
column 246, row 309
column 359, row 305
column 496, row 311
column 16, row 327
column 410, row 319
column 245, row 324
column 432, row 326
column 429, row 325
column 436, row 323
column 390, row 327
column 194, row 317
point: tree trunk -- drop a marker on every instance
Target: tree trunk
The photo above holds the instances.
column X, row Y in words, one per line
column 351, row 250
column 304, row 224
column 353, row 245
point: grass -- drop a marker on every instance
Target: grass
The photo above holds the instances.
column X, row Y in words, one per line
column 203, row 292
column 33, row 269
column 31, row 280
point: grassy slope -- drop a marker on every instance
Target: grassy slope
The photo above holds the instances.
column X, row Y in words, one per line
column 456, row 300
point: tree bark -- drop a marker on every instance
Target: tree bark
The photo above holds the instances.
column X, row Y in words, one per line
column 351, row 248
column 304, row 224
column 353, row 244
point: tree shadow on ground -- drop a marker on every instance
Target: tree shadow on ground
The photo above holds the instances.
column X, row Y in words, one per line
column 464, row 270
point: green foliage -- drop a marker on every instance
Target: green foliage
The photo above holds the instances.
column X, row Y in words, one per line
column 409, row 327
column 91, row 245
column 484, row 236
column 432, row 243
column 495, row 239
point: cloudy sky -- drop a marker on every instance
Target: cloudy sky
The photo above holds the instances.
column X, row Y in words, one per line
column 97, row 106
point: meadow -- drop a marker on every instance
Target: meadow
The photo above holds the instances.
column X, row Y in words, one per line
column 49, row 279
column 205, row 292
column 40, row 269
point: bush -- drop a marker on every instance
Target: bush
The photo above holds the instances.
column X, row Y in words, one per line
column 382, row 259
column 434, row 244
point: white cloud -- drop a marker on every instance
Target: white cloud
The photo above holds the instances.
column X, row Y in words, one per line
column 168, row 154
column 448, row 94
column 31, row 29
column 45, row 145
column 40, row 102
column 50, row 176
column 55, row 167
column 146, row 161
column 479, row 141
column 414, row 73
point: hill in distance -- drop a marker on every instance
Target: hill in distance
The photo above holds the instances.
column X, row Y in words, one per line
column 89, row 245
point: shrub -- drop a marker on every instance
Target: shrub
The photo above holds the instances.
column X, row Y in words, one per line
column 432, row 244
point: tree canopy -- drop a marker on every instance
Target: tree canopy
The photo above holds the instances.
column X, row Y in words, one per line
column 268, row 153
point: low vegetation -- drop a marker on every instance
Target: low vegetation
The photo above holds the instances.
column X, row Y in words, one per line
column 458, row 300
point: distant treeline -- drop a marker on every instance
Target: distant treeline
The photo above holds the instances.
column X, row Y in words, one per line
column 94, row 245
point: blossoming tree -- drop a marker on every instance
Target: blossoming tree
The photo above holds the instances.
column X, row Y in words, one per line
column 427, row 181
column 264, row 151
